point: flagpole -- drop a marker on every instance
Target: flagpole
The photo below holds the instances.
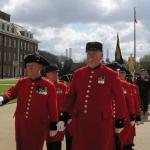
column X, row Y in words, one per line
column 135, row 33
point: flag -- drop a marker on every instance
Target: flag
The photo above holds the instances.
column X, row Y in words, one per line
column 118, row 55
column 135, row 16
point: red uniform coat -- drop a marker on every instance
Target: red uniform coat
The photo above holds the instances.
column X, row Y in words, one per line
column 90, row 95
column 60, row 90
column 127, row 132
column 137, row 100
column 35, row 101
column 136, row 96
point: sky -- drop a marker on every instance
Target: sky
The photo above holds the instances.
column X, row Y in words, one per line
column 64, row 24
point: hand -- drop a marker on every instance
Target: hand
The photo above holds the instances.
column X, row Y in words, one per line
column 52, row 133
column 118, row 130
column 61, row 126
column 132, row 123
column 69, row 121
column 1, row 100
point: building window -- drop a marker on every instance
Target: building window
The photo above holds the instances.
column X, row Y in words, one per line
column 14, row 43
column 9, row 57
column 5, row 41
column 1, row 40
column 4, row 56
column 25, row 46
column 9, row 42
column 8, row 28
column 21, row 58
column 3, row 26
column 4, row 70
column 28, row 46
column 31, row 48
column 14, row 56
column 9, row 70
column 12, row 29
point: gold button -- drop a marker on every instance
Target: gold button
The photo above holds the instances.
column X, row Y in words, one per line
column 26, row 116
column 28, row 104
column 88, row 91
column 92, row 71
column 89, row 86
column 85, row 106
column 90, row 81
column 91, row 76
column 87, row 96
column 85, row 111
column 86, row 101
column 30, row 95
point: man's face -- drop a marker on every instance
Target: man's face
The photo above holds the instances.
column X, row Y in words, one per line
column 122, row 75
column 33, row 69
column 52, row 76
column 94, row 58
column 142, row 74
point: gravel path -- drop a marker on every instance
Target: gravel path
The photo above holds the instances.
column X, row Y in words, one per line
column 7, row 138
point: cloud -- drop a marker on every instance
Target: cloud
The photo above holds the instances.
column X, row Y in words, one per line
column 63, row 24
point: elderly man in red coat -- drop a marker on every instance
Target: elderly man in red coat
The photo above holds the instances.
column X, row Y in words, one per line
column 123, row 138
column 54, row 143
column 127, row 134
column 136, row 96
column 36, row 99
column 91, row 93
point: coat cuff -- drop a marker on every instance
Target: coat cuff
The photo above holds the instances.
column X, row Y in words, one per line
column 53, row 126
column 64, row 116
column 138, row 118
column 132, row 117
column 119, row 123
column 5, row 99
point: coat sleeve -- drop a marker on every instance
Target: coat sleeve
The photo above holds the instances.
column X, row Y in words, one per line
column 11, row 93
column 131, row 102
column 119, row 100
column 52, row 104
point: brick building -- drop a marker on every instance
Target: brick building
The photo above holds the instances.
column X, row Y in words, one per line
column 15, row 43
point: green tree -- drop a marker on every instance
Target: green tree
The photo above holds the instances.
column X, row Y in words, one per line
column 145, row 62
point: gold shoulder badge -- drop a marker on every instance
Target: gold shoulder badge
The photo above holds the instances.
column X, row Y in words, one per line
column 101, row 79
column 42, row 90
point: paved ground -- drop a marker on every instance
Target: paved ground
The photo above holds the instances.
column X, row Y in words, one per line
column 7, row 140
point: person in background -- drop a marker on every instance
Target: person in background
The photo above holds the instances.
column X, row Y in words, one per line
column 66, row 79
column 55, row 142
column 36, row 99
column 122, row 139
column 144, row 86
column 129, row 96
column 90, row 95
column 136, row 96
